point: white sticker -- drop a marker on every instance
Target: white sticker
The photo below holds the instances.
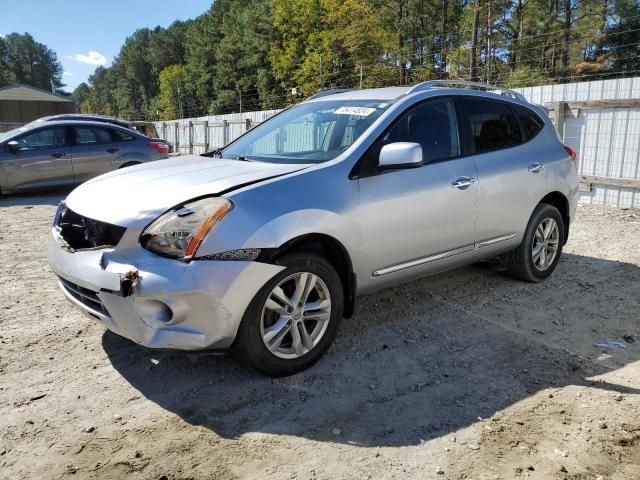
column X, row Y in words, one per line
column 360, row 111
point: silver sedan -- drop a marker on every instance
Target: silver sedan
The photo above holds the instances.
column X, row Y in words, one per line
column 64, row 153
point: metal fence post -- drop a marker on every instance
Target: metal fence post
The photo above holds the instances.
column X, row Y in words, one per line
column 206, row 135
column 247, row 124
column 190, row 133
column 177, row 132
column 225, row 132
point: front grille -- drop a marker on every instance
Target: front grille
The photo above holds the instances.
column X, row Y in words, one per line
column 81, row 232
column 87, row 297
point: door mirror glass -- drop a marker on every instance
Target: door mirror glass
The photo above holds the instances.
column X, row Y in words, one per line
column 13, row 146
column 400, row 155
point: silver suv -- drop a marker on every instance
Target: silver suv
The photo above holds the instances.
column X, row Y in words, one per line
column 264, row 244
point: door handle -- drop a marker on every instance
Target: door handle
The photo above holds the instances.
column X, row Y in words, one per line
column 536, row 167
column 58, row 154
column 463, row 182
column 112, row 150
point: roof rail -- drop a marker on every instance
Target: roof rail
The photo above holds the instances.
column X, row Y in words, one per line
column 331, row 91
column 465, row 84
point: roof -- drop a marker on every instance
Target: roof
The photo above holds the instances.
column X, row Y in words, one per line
column 27, row 93
column 393, row 93
column 386, row 93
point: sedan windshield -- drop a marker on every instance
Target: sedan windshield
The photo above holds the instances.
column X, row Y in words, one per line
column 311, row 132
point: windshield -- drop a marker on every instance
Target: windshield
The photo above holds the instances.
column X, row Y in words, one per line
column 312, row 132
column 15, row 131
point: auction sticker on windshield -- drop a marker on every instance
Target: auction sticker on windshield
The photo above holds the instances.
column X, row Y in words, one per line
column 359, row 111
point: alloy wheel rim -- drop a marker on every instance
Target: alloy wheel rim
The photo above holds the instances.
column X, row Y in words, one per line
column 546, row 242
column 295, row 315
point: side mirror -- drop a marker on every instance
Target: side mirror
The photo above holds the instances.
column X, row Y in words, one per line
column 400, row 155
column 13, row 146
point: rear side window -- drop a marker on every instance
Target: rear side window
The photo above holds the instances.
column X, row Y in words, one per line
column 119, row 136
column 91, row 135
column 493, row 124
column 529, row 120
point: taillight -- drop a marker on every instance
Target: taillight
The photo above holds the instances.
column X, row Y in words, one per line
column 159, row 146
column 573, row 154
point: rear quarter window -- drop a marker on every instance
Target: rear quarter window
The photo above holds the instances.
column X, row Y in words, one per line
column 530, row 121
column 119, row 136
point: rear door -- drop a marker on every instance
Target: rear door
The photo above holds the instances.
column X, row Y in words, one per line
column 511, row 172
column 42, row 161
column 93, row 152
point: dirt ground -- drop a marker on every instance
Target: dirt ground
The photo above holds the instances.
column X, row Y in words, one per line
column 465, row 375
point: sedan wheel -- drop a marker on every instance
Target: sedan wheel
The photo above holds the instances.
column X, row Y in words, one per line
column 296, row 315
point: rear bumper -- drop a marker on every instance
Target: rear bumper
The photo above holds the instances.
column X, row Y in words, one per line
column 159, row 302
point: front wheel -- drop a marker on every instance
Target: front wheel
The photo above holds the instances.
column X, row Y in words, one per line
column 539, row 253
column 294, row 318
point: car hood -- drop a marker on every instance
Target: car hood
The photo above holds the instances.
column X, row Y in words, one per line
column 135, row 196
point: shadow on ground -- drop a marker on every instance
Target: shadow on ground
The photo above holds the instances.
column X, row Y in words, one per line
column 418, row 361
column 54, row 197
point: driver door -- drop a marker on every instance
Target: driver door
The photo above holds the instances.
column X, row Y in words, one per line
column 43, row 160
column 416, row 221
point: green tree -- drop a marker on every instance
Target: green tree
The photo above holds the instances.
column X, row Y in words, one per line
column 23, row 60
column 168, row 101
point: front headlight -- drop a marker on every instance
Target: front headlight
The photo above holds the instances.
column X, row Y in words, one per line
column 179, row 232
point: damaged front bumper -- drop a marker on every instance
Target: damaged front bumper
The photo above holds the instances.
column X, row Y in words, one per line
column 159, row 302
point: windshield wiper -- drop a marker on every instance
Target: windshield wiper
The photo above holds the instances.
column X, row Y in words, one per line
column 217, row 153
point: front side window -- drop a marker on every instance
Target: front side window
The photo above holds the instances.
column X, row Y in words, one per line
column 91, row 135
column 312, row 132
column 433, row 125
column 42, row 139
column 493, row 124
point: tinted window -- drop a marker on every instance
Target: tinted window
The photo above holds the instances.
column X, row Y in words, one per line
column 433, row 125
column 45, row 138
column 493, row 124
column 119, row 136
column 529, row 120
column 91, row 135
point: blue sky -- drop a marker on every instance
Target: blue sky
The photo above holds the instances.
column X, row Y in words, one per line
column 88, row 33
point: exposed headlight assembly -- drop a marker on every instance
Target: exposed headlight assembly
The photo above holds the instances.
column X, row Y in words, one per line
column 179, row 232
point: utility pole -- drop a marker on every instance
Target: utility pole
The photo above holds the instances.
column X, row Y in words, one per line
column 321, row 75
column 240, row 95
column 179, row 100
column 360, row 77
column 53, row 88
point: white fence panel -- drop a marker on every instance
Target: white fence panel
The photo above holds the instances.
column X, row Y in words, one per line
column 607, row 140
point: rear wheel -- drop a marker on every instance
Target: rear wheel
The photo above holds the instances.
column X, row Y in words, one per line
column 539, row 253
column 294, row 318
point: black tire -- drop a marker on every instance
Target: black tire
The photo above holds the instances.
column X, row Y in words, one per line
column 249, row 343
column 519, row 262
column 130, row 164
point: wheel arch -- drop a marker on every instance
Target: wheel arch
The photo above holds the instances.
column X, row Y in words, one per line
column 560, row 201
column 329, row 248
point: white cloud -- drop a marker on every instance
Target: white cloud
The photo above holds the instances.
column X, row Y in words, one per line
column 67, row 73
column 1, row 35
column 91, row 57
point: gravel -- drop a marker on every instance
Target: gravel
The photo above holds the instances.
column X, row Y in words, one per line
column 439, row 352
